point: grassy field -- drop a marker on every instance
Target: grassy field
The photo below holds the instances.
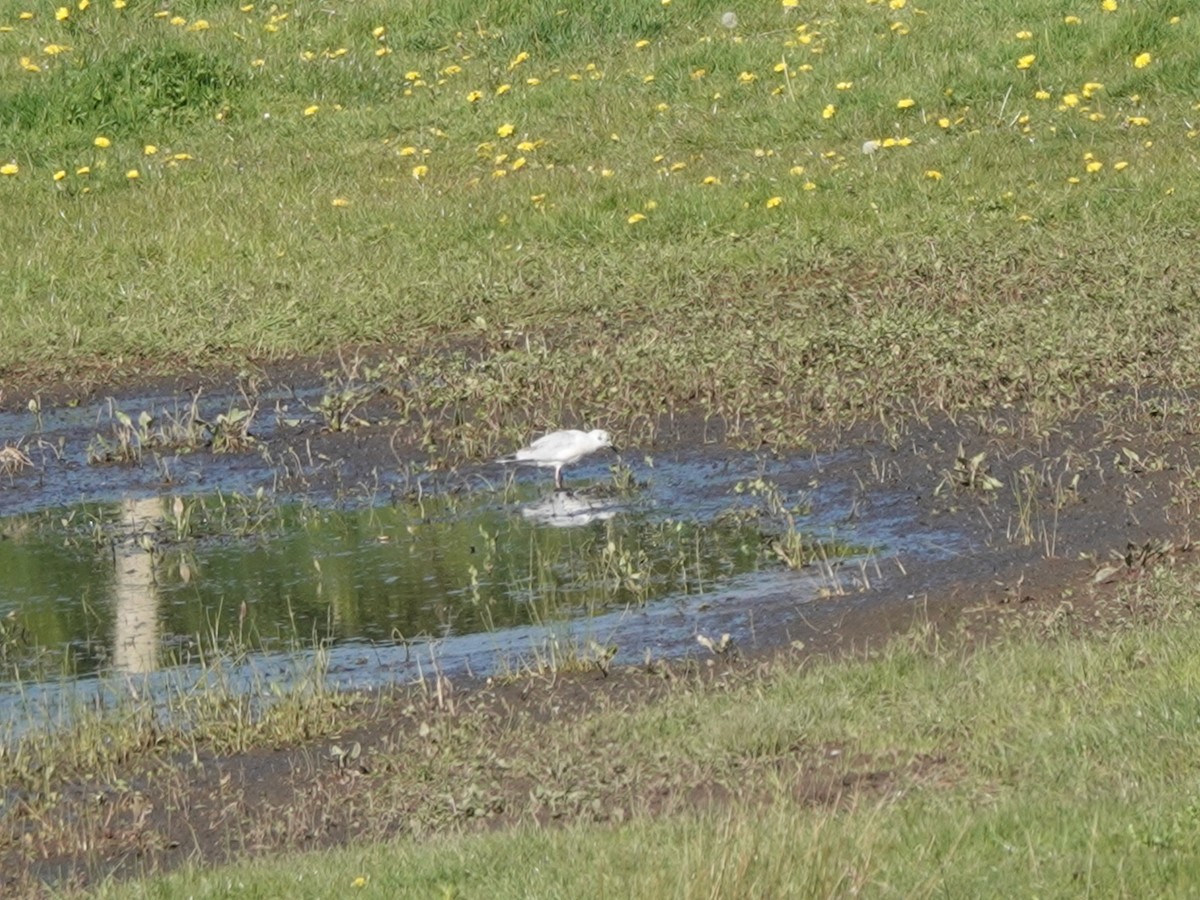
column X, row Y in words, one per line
column 1045, row 764
column 609, row 211
column 779, row 215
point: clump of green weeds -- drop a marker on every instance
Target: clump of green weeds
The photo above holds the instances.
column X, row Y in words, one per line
column 178, row 430
column 348, row 388
column 231, row 430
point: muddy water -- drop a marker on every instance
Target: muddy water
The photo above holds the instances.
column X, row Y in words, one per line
column 181, row 558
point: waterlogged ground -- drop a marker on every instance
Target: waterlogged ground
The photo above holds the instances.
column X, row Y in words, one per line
column 123, row 557
column 149, row 572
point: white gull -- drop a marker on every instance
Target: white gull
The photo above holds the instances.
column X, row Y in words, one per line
column 560, row 448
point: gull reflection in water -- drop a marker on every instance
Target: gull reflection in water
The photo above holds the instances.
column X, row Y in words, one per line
column 567, row 509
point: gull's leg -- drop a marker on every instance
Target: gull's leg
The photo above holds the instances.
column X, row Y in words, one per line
column 558, row 485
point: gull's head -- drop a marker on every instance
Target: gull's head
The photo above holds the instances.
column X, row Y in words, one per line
column 601, row 438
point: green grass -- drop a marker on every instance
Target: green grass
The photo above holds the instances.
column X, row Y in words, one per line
column 1042, row 764
column 869, row 280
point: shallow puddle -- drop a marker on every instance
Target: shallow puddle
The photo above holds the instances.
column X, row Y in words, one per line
column 406, row 576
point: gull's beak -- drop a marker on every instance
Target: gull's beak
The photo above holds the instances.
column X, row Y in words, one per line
column 614, row 448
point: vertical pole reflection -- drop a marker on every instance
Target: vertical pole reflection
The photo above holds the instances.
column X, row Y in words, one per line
column 135, row 591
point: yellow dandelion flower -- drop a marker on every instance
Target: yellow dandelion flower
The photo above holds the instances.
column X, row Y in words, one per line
column 311, row 110
column 1090, row 87
column 537, row 198
column 943, row 122
column 1024, row 35
column 133, row 174
column 55, row 49
column 339, row 202
column 181, row 157
column 178, row 21
column 1139, row 121
column 607, row 173
column 101, row 141
column 82, row 5
column 1109, row 5
column 933, row 174
column 62, row 13
column 1141, row 60
column 383, row 51
column 642, row 43
column 635, row 218
column 906, row 103
column 505, row 130
column 678, row 166
column 25, row 16
column 83, row 170
column 844, row 85
column 361, row 880
column 773, row 202
column 1121, row 165
column 517, row 164
column 202, row 25
column 1070, row 100
column 10, row 168
column 646, row 79
column 518, row 59
column 790, row 4
column 474, row 96
column 499, row 173
column 711, row 179
column 1074, row 179
column 533, row 82
column 650, row 205
column 1041, row 95
column 149, row 150
column 503, row 89
column 1027, row 61
column 29, row 65
column 809, row 186
column 697, row 74
column 829, row 111
column 419, row 172
column 412, row 75
column 747, row 77
column 897, row 4
column 796, row 170
column 378, row 31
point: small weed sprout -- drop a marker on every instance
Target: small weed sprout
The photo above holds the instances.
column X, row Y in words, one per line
column 13, row 459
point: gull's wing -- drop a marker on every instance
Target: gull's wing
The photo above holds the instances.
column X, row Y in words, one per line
column 552, row 445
